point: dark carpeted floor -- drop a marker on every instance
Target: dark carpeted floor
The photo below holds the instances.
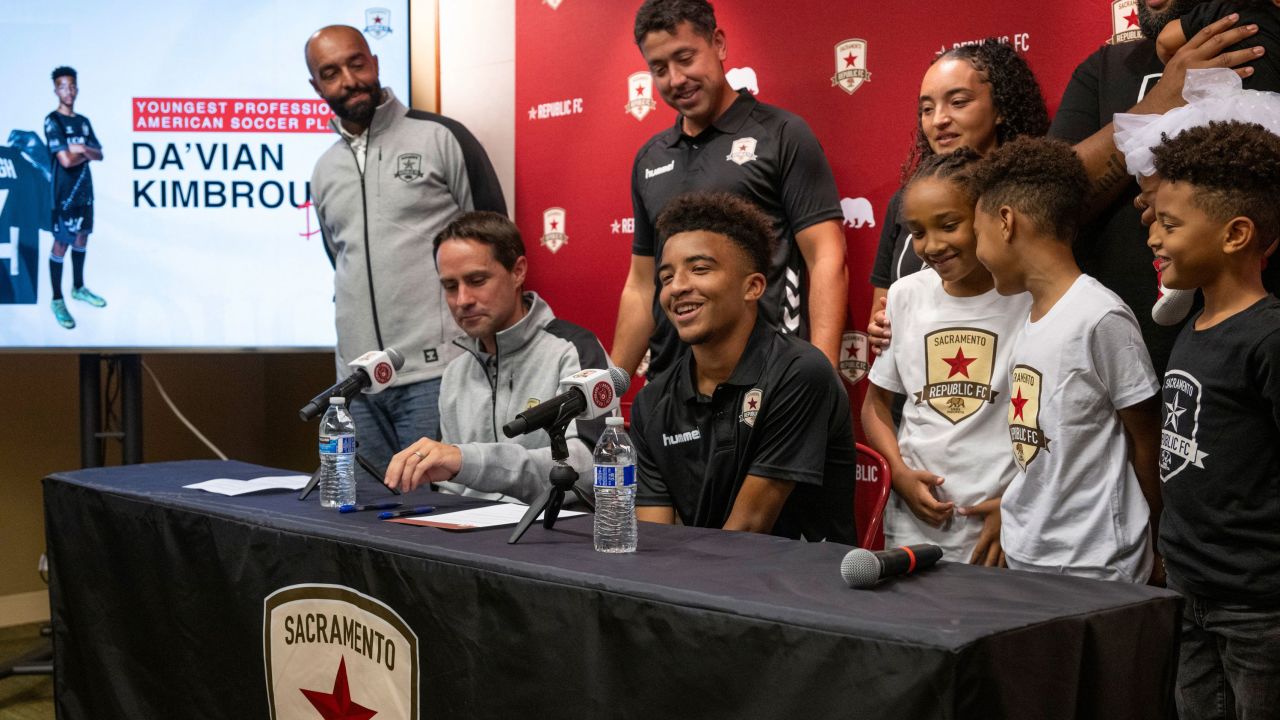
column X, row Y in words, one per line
column 24, row 697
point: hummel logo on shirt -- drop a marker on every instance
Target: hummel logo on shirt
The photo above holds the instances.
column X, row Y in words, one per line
column 684, row 437
column 655, row 172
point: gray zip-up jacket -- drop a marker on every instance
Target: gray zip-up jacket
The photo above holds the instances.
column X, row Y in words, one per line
column 483, row 392
column 420, row 171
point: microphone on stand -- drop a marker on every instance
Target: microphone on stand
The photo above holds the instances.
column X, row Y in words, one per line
column 591, row 393
column 863, row 568
column 374, row 371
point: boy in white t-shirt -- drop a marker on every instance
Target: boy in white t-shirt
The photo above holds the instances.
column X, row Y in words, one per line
column 1083, row 411
column 949, row 458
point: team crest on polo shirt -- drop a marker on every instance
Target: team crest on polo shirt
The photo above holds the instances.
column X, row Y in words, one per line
column 853, row 356
column 743, row 152
column 553, row 232
column 1124, row 22
column 409, row 166
column 851, row 65
column 751, row 406
column 333, row 652
column 640, row 94
column 377, row 22
column 1024, row 415
column 958, row 367
column 1182, row 396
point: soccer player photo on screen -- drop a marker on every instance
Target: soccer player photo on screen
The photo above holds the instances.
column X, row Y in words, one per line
column 72, row 145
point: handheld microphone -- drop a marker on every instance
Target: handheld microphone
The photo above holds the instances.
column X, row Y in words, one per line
column 374, row 371
column 591, row 393
column 862, row 568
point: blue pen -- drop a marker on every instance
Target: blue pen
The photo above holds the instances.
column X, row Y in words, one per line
column 420, row 510
column 373, row 506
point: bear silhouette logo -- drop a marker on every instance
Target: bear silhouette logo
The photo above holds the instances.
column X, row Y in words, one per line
column 857, row 212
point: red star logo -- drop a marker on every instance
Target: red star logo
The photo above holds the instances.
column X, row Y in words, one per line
column 337, row 705
column 1132, row 18
column 555, row 224
column 1018, row 403
column 639, row 90
column 850, row 350
column 850, row 59
column 959, row 364
column 751, row 403
column 743, row 148
column 377, row 19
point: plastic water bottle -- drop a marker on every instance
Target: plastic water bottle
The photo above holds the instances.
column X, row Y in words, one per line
column 615, row 486
column 337, row 456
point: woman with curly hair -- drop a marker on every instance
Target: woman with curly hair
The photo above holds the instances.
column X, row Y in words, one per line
column 978, row 96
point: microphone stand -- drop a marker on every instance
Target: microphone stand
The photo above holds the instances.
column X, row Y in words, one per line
column 563, row 478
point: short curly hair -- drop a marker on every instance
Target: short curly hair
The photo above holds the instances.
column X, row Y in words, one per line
column 1235, row 168
column 954, row 166
column 666, row 16
column 1015, row 95
column 1039, row 177
column 62, row 71
column 737, row 219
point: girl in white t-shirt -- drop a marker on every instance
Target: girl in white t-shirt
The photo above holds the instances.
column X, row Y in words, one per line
column 949, row 459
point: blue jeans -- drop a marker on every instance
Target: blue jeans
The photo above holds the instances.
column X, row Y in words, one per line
column 391, row 420
column 1229, row 666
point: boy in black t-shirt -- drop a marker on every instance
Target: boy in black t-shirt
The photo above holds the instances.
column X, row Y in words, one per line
column 73, row 145
column 1216, row 220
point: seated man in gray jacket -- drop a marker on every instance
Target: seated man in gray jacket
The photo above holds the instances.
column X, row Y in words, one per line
column 516, row 354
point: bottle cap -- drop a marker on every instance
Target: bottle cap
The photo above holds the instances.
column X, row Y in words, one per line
column 339, row 400
column 614, row 421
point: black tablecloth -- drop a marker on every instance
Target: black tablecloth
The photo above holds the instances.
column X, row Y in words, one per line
column 158, row 597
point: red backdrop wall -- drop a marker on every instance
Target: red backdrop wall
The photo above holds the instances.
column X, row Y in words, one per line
column 576, row 138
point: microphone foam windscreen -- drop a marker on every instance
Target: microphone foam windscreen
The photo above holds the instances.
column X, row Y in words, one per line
column 397, row 360
column 621, row 381
column 860, row 568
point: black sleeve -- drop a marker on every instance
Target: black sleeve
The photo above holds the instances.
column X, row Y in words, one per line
column 808, row 188
column 650, row 487
column 1266, row 378
column 486, row 191
column 793, row 439
column 642, row 241
column 1079, row 114
column 1199, row 16
column 890, row 229
column 54, row 137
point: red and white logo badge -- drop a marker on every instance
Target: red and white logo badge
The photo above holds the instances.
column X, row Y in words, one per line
column 853, row 356
column 553, row 3
column 1124, row 21
column 743, row 152
column 377, row 22
column 333, row 652
column 743, row 78
column 851, row 65
column 382, row 372
column 602, row 394
column 640, row 94
column 553, row 232
column 751, row 406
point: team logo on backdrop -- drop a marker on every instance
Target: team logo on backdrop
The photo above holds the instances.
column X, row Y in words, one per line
column 640, row 94
column 409, row 166
column 959, row 363
column 333, row 652
column 1124, row 21
column 851, row 65
column 853, row 356
column 1024, row 415
column 623, row 226
column 743, row 152
column 743, row 78
column 751, row 406
column 377, row 22
column 553, row 3
column 1178, row 445
column 857, row 212
column 553, row 233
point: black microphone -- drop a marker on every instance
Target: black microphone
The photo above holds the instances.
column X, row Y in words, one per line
column 862, row 568
column 374, row 371
column 602, row 387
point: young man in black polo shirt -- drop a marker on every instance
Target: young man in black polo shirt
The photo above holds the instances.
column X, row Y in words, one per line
column 725, row 141
column 749, row 428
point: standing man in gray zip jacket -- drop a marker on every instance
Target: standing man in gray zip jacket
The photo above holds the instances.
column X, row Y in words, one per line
column 393, row 179
column 516, row 352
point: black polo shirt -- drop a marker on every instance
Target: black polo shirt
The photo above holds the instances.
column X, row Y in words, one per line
column 783, row 414
column 762, row 153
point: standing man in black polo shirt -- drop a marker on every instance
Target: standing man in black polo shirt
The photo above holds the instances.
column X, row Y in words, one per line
column 726, row 141
column 749, row 428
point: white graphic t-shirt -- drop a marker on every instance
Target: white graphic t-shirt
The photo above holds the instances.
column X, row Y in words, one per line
column 1077, row 508
column 950, row 358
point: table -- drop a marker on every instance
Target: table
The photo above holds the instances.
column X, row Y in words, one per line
column 173, row 603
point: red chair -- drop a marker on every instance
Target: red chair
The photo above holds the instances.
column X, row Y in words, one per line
column 870, row 495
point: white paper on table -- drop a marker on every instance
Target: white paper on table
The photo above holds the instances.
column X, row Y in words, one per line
column 481, row 517
column 227, row 486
